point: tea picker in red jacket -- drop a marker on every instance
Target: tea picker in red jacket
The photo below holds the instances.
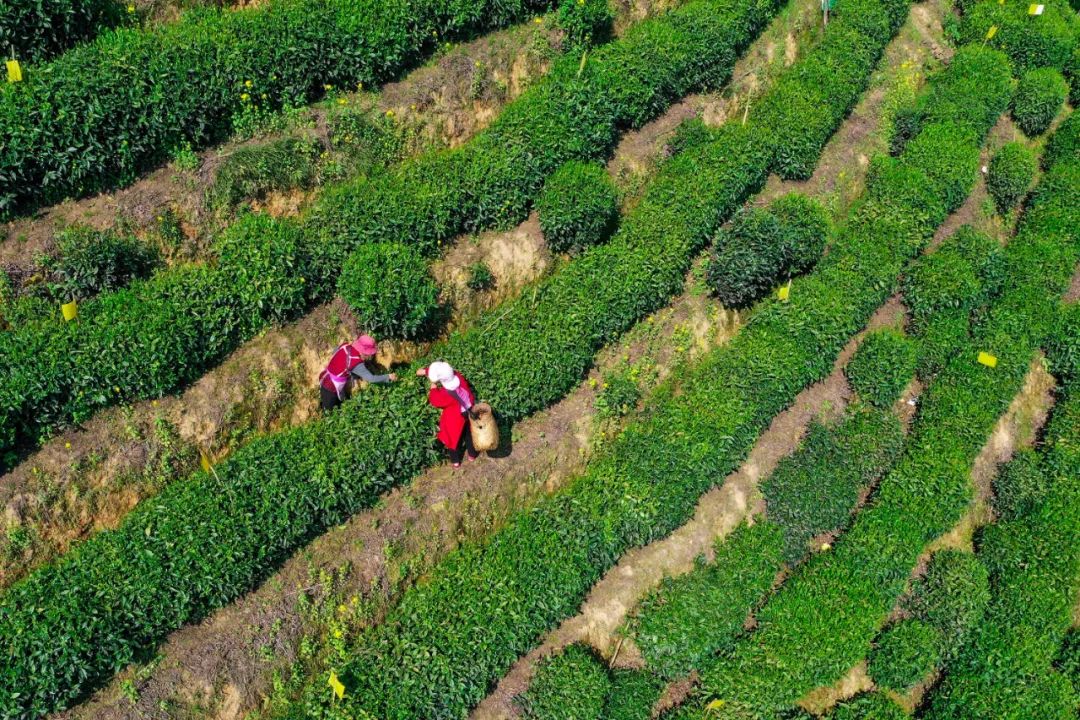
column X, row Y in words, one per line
column 349, row 361
column 451, row 393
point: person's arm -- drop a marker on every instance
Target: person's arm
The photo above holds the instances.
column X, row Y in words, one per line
column 366, row 375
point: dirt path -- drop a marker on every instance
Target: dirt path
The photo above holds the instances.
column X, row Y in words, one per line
column 443, row 103
column 225, row 666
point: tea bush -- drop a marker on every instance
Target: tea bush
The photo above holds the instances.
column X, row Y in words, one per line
column 585, row 22
column 1020, row 486
column 689, row 134
column 869, row 706
column 91, row 261
column 101, row 113
column 1044, row 41
column 36, row 31
column 882, row 367
column 1038, row 99
column 569, row 686
column 1011, row 172
column 1063, row 348
column 368, row 141
column 480, row 277
column 618, row 395
column 1007, row 670
column 252, row 171
column 905, row 654
column 815, row 489
column 763, row 247
column 422, row 202
column 1068, row 660
column 578, row 207
column 930, row 487
column 390, row 290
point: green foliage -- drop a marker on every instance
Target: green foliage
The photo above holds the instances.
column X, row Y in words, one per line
column 584, row 21
column 691, row 617
column 390, row 290
column 36, row 31
column 91, row 261
column 815, row 489
column 1008, row 670
column 569, row 686
column 99, row 114
column 490, row 180
column 480, row 277
column 871, row 706
column 1045, row 41
column 618, row 395
column 1068, row 659
column 1064, row 143
column 368, row 141
column 905, row 125
column 252, row 171
column 1011, row 172
column 764, row 246
column 578, row 207
column 796, row 646
column 882, row 367
column 690, row 133
column 905, row 654
column 633, row 694
column 1039, row 97
column 1063, row 349
column 1072, row 74
column 951, row 597
column 1020, row 486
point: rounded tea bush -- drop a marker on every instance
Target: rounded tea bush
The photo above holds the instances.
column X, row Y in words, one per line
column 952, row 595
column 91, row 261
column 578, row 207
column 1021, row 486
column 882, row 367
column 765, row 246
column 905, row 654
column 390, row 290
column 1010, row 175
column 585, row 21
column 1039, row 97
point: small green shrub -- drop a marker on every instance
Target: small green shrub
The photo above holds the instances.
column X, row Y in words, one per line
column 1063, row 348
column 1072, row 73
column 1045, row 41
column 1010, row 175
column 882, row 367
column 690, row 133
column 906, row 123
column 252, row 171
column 480, row 277
column 633, row 695
column 765, row 246
column 618, row 395
column 584, row 21
column 91, row 261
column 578, row 207
column 905, row 654
column 368, row 141
column 872, row 706
column 962, row 274
column 389, row 288
column 951, row 597
column 1020, row 486
column 1039, row 97
column 572, row 685
column 37, row 31
column 1068, row 659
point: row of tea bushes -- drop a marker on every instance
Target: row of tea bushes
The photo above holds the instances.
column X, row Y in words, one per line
column 35, row 30
column 823, row 620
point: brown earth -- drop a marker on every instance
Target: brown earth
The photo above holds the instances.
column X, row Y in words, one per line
column 225, row 666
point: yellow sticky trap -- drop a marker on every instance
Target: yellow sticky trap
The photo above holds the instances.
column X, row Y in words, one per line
column 14, row 71
column 205, row 462
column 1036, row 9
column 991, row 32
column 336, row 686
column 714, row 706
column 70, row 310
column 784, row 293
column 987, row 359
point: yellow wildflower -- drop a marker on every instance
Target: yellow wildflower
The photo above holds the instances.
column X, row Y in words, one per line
column 342, row 609
column 342, row 101
column 131, row 9
column 389, row 113
column 538, row 21
column 328, row 87
column 247, row 83
column 245, row 97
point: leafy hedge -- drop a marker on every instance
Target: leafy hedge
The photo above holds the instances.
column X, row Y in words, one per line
column 1046, row 40
column 202, row 542
column 860, row 580
column 690, row 617
column 765, row 246
column 585, row 22
column 814, row 490
column 578, row 207
column 99, row 114
column 1011, row 171
column 39, row 29
column 1020, row 486
column 390, row 290
column 882, row 367
column 945, row 607
column 493, row 178
column 569, row 686
column 1038, row 99
column 1033, row 559
column 89, row 262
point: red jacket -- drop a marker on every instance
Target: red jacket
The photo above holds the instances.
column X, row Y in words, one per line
column 452, row 420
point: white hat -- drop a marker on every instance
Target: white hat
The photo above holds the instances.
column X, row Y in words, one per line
column 441, row 372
